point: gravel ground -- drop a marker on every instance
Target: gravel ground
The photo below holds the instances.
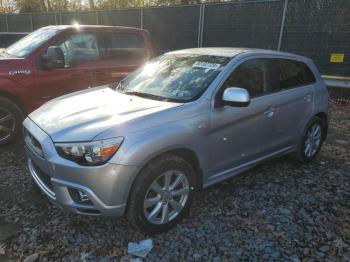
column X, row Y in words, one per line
column 280, row 210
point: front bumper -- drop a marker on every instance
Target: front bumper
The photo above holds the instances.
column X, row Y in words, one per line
column 106, row 187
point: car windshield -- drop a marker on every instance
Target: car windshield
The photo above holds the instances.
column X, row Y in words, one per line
column 174, row 77
column 29, row 43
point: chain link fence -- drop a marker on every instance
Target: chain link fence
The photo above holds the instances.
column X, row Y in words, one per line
column 319, row 29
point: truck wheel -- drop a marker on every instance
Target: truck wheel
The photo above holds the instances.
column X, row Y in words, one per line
column 311, row 141
column 161, row 195
column 11, row 118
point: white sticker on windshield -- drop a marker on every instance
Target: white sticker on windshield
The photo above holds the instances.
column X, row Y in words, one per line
column 206, row 65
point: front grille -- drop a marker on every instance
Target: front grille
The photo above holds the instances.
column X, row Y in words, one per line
column 32, row 143
column 45, row 178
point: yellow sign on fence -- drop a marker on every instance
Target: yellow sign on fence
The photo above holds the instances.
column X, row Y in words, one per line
column 337, row 58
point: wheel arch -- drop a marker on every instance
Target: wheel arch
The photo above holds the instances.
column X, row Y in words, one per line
column 185, row 153
column 324, row 117
column 191, row 157
column 14, row 99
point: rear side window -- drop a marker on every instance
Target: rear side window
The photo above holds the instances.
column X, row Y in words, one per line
column 294, row 73
column 267, row 75
column 124, row 46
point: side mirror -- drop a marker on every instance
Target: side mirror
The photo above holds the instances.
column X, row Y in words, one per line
column 235, row 96
column 54, row 58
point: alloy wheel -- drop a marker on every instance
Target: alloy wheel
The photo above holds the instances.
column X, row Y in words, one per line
column 166, row 197
column 313, row 140
column 7, row 123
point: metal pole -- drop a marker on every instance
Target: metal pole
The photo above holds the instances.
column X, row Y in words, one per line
column 199, row 26
column 282, row 25
column 141, row 17
column 202, row 25
column 31, row 22
column 56, row 19
column 97, row 19
column 7, row 22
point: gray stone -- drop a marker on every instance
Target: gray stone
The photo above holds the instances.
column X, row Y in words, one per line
column 32, row 258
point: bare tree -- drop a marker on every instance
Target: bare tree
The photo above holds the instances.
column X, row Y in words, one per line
column 76, row 5
column 92, row 4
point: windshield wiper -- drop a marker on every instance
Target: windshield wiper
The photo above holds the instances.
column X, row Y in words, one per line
column 146, row 95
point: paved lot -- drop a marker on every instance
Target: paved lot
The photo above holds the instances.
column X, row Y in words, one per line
column 278, row 211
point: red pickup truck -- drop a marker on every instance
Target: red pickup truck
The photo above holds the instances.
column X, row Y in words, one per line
column 56, row 60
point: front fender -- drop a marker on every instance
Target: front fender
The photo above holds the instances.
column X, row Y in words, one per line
column 16, row 91
column 141, row 147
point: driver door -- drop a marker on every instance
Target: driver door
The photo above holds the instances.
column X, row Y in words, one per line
column 81, row 53
column 243, row 134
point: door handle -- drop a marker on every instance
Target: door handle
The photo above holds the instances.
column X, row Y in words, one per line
column 76, row 73
column 308, row 98
column 270, row 112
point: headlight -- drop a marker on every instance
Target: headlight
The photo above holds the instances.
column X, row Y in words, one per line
column 89, row 153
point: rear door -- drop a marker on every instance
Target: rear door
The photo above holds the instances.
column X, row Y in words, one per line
column 122, row 53
column 243, row 134
column 297, row 98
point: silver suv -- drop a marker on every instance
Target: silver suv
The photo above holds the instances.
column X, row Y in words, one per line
column 184, row 121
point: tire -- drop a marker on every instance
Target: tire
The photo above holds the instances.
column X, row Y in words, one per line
column 11, row 118
column 302, row 154
column 137, row 212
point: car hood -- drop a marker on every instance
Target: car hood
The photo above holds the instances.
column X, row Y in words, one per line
column 11, row 66
column 4, row 57
column 83, row 115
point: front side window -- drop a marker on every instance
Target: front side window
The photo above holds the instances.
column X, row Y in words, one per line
column 249, row 75
column 122, row 46
column 79, row 47
column 174, row 77
column 28, row 44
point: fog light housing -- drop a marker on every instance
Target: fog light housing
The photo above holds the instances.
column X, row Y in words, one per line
column 83, row 197
column 80, row 196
